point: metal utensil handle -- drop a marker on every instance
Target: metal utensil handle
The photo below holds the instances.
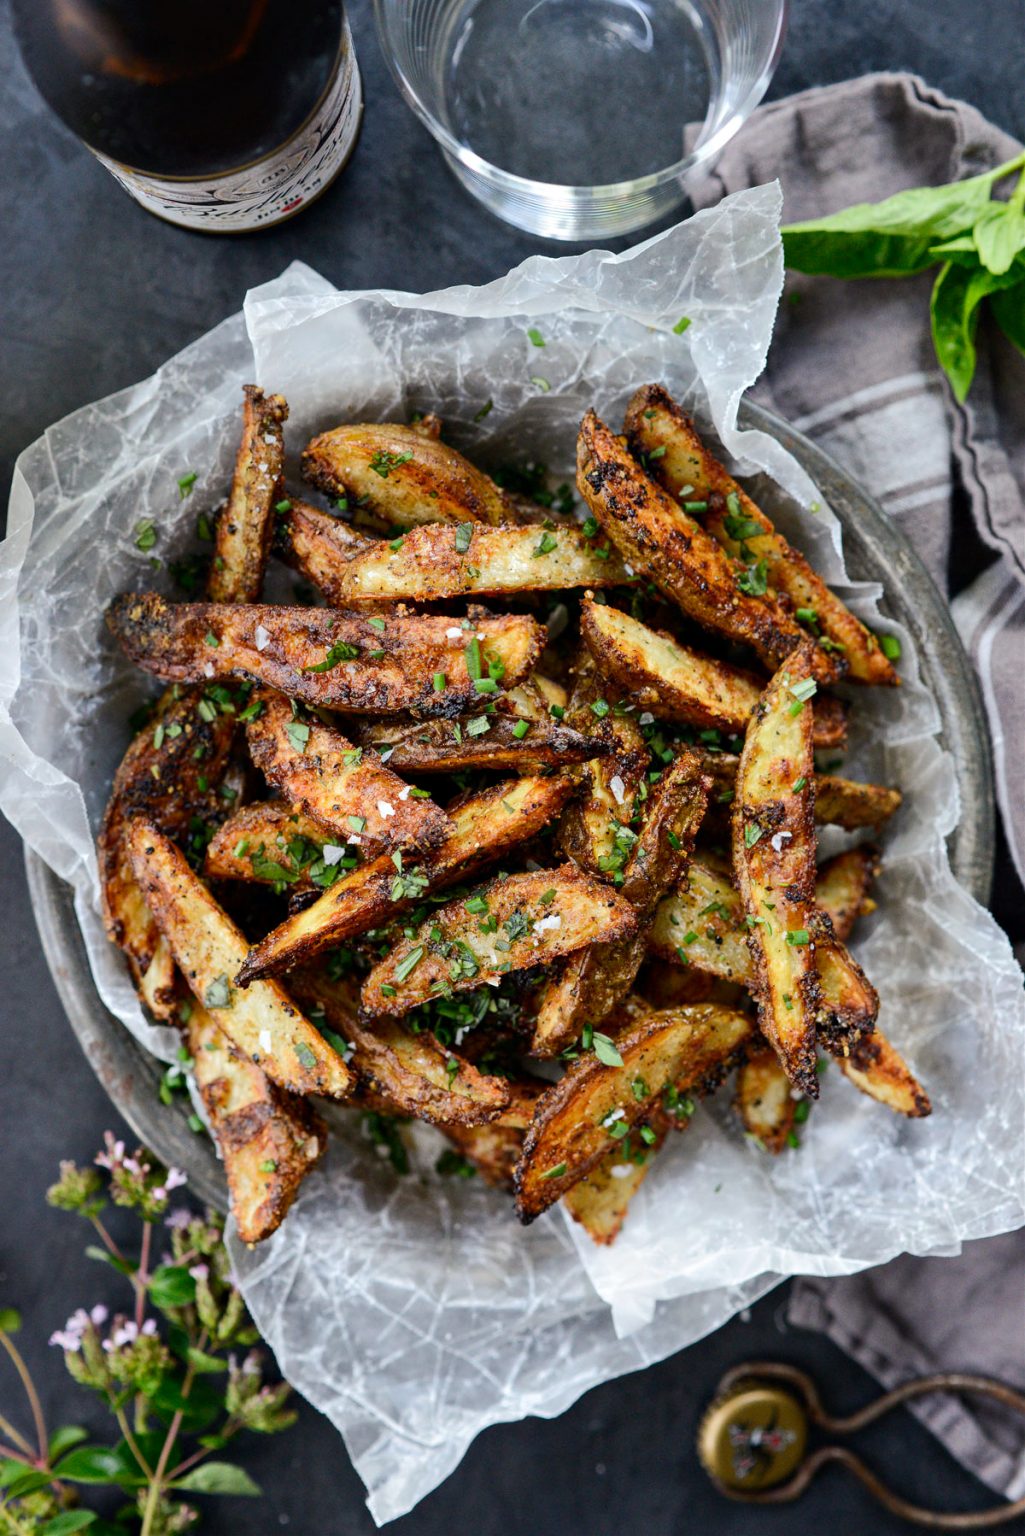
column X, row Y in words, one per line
column 919, row 1386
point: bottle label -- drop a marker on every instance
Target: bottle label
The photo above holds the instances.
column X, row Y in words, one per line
column 273, row 188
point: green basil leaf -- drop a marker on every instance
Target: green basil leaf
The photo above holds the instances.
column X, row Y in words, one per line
column 999, row 234
column 9, row 1470
column 206, row 1365
column 218, row 1477
column 893, row 237
column 94, row 1464
column 204, row 1404
column 954, row 311
column 122, row 1266
column 70, row 1520
column 64, row 1438
column 1008, row 306
column 172, row 1286
column 28, row 1481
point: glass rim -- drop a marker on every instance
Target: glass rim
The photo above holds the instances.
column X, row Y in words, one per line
column 571, row 193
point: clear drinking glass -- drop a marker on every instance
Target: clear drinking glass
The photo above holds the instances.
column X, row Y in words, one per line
column 581, row 119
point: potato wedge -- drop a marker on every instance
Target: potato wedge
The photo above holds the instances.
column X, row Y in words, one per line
column 774, row 866
column 494, row 1149
column 484, row 827
column 307, row 653
column 402, row 477
column 530, row 919
column 878, row 1069
column 316, row 544
column 602, row 1198
column 421, row 1077
column 271, row 843
column 688, row 1049
column 269, row 1140
column 676, row 683
column 244, row 528
column 764, row 1099
column 838, row 802
column 170, row 773
column 586, row 986
column 348, row 791
column 850, row 1003
column 660, row 540
column 842, row 885
column 478, row 741
column 263, row 1022
column 438, row 561
column 663, row 437
column 595, row 831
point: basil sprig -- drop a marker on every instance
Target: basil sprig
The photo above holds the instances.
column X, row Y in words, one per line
column 977, row 241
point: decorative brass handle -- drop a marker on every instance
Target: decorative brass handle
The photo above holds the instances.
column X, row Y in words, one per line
column 753, row 1439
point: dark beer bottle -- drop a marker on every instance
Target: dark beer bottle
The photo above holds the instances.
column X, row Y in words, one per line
column 215, row 114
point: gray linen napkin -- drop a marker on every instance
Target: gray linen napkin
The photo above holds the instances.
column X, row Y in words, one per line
column 852, row 365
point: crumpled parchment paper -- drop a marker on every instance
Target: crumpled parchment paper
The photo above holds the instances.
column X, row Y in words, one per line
column 414, row 1312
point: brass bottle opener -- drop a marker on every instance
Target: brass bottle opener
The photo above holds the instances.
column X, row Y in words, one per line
column 753, row 1439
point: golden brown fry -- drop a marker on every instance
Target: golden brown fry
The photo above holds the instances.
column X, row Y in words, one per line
column 586, row 986
column 602, row 1198
column 532, row 918
column 269, row 1140
column 341, row 661
column 494, row 1149
column 687, row 1049
column 842, row 886
column 663, row 436
column 263, row 1022
column 401, row 477
column 878, row 1069
column 608, row 785
column 420, row 1077
column 245, row 526
column 676, row 683
column 348, row 791
column 764, row 1099
column 774, row 866
column 850, row 1003
column 317, row 545
column 484, row 827
column 838, row 802
column 170, row 773
column 438, row 561
column 659, row 539
column 251, row 843
column 478, row 741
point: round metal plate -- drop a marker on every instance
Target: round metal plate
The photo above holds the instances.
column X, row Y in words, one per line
column 874, row 549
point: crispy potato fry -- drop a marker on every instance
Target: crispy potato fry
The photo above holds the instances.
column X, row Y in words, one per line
column 602, row 1198
column 484, row 827
column 170, row 773
column 878, row 1069
column 665, row 985
column 838, row 802
column 245, row 526
column 269, row 1140
column 421, row 1077
column 688, row 1049
column 316, row 544
column 764, row 1099
column 587, row 985
column 656, row 425
column 266, row 841
column 349, row 792
column 438, row 561
column 402, row 477
column 494, row 1149
column 850, row 1003
column 482, row 741
column 676, row 683
column 592, row 830
column 531, row 919
column 774, row 866
column 307, row 652
column 263, row 1022
column 659, row 539
column 842, row 886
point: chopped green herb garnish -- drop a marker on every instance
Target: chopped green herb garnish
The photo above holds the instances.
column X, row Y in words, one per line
column 605, row 1050
column 889, row 645
column 340, row 651
column 535, row 337
column 383, row 463
column 600, row 707
column 185, row 484
column 439, row 682
column 298, row 734
column 218, row 993
column 755, row 579
column 798, row 784
column 409, row 964
column 798, row 937
column 520, row 729
column 545, row 545
column 485, row 410
column 283, row 506
column 145, row 534
column 554, row 1173
column 353, row 757
column 210, row 638
column 752, row 833
column 681, row 325
column 464, row 535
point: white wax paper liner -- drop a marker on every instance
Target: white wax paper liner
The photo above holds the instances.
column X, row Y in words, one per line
column 414, row 1312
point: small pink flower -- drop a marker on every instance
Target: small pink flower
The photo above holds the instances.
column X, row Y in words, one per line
column 149, row 1327
column 159, row 1193
column 199, row 1271
column 176, row 1178
column 132, row 1165
column 65, row 1339
column 98, row 1315
column 114, row 1154
column 251, row 1364
column 178, row 1219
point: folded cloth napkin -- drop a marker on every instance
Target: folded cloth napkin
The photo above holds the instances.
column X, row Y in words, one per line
column 852, row 365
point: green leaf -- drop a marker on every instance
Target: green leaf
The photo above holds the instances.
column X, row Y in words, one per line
column 999, row 234
column 10, row 1319
column 172, row 1286
column 893, row 237
column 203, row 1405
column 606, row 1051
column 121, row 1265
column 1008, row 308
column 9, row 1469
column 71, row 1520
column 95, row 1464
column 954, row 310
column 64, row 1438
column 207, row 1365
column 28, row 1481
column 218, row 1477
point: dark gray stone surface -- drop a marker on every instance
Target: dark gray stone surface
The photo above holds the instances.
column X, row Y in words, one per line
column 94, row 294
